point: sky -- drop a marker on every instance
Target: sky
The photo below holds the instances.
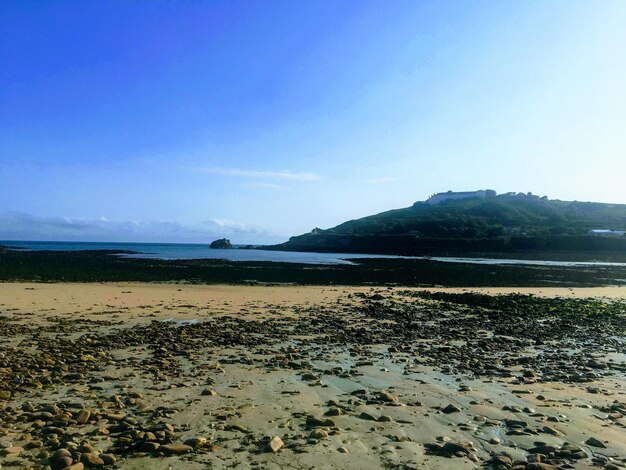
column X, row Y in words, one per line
column 183, row 121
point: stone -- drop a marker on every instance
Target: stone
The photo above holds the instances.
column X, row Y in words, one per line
column 319, row 434
column 343, row 450
column 335, row 411
column 549, row 430
column 275, row 444
column 108, row 459
column 386, row 397
column 318, row 422
column 13, row 450
column 91, row 460
column 368, row 416
column 61, row 453
column 451, row 409
column 149, row 446
column 541, row 466
column 592, row 441
column 62, row 462
column 453, row 448
column 196, row 442
column 83, row 416
column 176, row 449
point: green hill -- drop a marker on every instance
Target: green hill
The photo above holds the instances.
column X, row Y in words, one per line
column 506, row 223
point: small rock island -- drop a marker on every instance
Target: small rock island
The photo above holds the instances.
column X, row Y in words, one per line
column 221, row 244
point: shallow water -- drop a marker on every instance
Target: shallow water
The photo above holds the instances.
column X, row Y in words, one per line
column 174, row 251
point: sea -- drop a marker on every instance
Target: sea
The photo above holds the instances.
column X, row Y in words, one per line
column 174, row 251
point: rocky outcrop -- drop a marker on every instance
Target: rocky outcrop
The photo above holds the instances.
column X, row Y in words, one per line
column 222, row 243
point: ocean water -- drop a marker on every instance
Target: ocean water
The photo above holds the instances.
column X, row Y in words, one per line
column 173, row 251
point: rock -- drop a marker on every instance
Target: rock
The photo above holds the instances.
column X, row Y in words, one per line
column 61, row 453
column 108, row 459
column 5, row 395
column 494, row 441
column 221, row 244
column 91, row 460
column 502, row 459
column 335, row 411
column 208, row 393
column 62, row 462
column 319, row 434
column 454, row 448
column 541, row 466
column 13, row 450
column 275, row 444
column 196, row 442
column 386, row 397
column 318, row 422
column 549, row 430
column 149, row 446
column 592, row 441
column 368, row 416
column 87, row 449
column 343, row 450
column 83, row 416
column 451, row 409
column 176, row 449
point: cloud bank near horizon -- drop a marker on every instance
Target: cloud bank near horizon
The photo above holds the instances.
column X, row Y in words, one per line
column 21, row 226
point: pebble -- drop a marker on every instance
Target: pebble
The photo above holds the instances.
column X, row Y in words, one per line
column 176, row 449
column 451, row 409
column 91, row 460
column 275, row 444
column 592, row 441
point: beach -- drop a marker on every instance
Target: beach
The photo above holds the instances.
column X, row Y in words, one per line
column 148, row 375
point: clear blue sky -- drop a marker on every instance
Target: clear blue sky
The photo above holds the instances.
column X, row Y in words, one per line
column 164, row 121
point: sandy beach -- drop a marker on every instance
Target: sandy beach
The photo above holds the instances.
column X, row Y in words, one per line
column 131, row 375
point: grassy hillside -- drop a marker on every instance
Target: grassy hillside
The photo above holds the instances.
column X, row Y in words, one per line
column 503, row 223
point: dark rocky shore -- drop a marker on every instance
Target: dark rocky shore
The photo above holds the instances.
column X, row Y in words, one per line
column 99, row 266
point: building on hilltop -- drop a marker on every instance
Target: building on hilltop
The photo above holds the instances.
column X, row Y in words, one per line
column 440, row 197
column 607, row 233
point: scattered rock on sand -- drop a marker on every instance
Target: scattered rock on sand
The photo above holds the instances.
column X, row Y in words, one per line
column 275, row 444
column 592, row 441
column 451, row 409
column 176, row 449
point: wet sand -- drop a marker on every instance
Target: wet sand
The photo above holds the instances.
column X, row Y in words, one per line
column 310, row 377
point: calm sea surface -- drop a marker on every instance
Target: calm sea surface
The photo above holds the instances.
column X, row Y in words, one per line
column 197, row 251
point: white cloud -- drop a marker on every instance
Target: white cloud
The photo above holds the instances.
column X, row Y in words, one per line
column 280, row 175
column 20, row 226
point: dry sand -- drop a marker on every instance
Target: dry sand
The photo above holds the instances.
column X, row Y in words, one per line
column 257, row 387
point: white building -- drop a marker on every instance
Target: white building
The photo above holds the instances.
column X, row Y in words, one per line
column 607, row 233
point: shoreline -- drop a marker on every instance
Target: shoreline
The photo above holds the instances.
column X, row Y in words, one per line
column 71, row 266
